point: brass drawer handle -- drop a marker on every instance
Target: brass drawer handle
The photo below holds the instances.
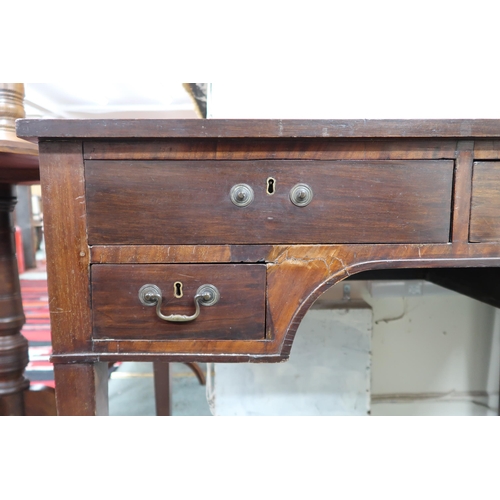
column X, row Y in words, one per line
column 207, row 295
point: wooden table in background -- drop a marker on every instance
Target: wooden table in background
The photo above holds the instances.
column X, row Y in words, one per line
column 18, row 164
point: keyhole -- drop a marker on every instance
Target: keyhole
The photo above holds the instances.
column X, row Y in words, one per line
column 178, row 289
column 271, row 185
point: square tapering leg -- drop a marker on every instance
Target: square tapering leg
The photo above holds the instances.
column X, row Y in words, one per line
column 82, row 389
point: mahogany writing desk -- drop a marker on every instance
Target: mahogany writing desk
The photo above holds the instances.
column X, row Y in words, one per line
column 194, row 240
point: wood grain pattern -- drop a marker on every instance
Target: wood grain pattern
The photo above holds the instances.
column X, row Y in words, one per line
column 17, row 168
column 65, row 228
column 170, row 149
column 487, row 150
column 180, row 254
column 133, row 129
column 278, row 149
column 82, row 389
column 118, row 313
column 157, row 254
column 163, row 389
column 462, row 192
column 154, row 203
column 485, row 209
column 40, row 403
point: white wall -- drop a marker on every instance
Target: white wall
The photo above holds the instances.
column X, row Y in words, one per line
column 433, row 354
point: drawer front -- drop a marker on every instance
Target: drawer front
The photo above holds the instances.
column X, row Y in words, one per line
column 119, row 314
column 485, row 203
column 188, row 202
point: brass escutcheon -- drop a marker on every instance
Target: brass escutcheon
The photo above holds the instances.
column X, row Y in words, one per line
column 178, row 290
column 271, row 185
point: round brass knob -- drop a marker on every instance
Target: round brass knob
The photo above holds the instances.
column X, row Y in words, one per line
column 301, row 195
column 241, row 195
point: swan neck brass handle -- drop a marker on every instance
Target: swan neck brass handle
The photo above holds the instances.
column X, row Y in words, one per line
column 206, row 295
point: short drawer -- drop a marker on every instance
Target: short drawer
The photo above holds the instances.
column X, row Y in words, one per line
column 188, row 202
column 485, row 203
column 119, row 314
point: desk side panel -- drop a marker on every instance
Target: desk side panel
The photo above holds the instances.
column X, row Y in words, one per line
column 65, row 226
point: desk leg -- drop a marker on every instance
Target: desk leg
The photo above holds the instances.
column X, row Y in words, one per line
column 163, row 392
column 81, row 389
column 13, row 346
column 163, row 387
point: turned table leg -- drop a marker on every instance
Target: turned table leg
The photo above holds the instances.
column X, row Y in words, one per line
column 13, row 346
column 81, row 389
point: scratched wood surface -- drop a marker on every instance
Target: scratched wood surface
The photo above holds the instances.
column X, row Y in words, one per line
column 156, row 254
column 103, row 129
column 65, row 230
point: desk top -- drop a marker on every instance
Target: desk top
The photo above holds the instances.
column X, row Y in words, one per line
column 69, row 129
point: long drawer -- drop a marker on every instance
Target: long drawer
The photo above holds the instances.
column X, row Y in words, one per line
column 122, row 309
column 190, row 202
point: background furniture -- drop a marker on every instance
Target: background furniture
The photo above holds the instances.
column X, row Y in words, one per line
column 18, row 164
column 270, row 212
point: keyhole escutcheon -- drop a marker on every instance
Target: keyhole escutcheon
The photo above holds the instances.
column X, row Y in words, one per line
column 271, row 185
column 178, row 289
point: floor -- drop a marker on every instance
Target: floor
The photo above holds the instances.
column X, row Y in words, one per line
column 131, row 391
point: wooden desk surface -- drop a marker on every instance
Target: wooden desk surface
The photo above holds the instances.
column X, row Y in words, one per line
column 218, row 128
